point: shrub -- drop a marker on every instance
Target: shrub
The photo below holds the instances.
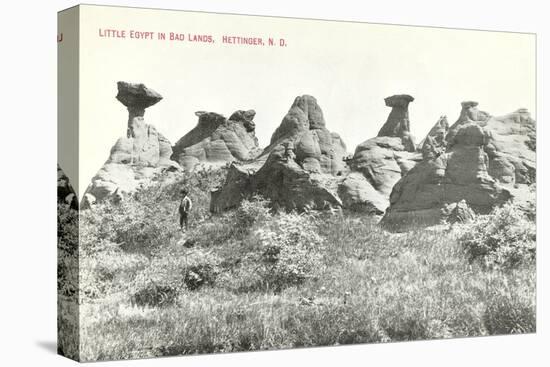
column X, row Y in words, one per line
column 155, row 296
column 170, row 272
column 200, row 274
column 289, row 250
column 148, row 219
column 249, row 212
column 142, row 228
column 504, row 238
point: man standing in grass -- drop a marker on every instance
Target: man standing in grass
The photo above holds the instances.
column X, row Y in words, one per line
column 184, row 209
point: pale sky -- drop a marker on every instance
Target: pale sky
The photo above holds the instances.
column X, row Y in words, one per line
column 349, row 67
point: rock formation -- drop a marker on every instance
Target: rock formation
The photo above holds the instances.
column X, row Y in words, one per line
column 382, row 160
column 136, row 157
column 468, row 114
column 435, row 144
column 459, row 212
column 65, row 192
column 300, row 168
column 358, row 194
column 483, row 162
column 303, row 130
column 217, row 140
column 304, row 164
column 398, row 124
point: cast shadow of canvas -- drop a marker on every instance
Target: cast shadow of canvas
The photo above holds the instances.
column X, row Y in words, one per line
column 48, row 345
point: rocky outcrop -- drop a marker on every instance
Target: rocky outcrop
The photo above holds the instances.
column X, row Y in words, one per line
column 483, row 161
column 435, row 144
column 136, row 157
column 459, row 212
column 303, row 130
column 305, row 165
column 512, row 148
column 217, row 140
column 384, row 159
column 357, row 194
column 398, row 124
column 302, row 167
column 468, row 114
column 65, row 192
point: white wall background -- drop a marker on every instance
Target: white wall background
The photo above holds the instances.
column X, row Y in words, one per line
column 27, row 184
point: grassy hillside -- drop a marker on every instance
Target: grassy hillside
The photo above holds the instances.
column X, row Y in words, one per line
column 252, row 279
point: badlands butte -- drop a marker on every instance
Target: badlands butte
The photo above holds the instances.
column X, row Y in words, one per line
column 469, row 166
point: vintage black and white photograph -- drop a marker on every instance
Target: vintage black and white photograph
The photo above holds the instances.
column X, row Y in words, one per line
column 241, row 183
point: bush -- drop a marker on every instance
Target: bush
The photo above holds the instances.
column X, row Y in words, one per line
column 148, row 220
column 200, row 274
column 289, row 250
column 171, row 272
column 269, row 251
column 504, row 238
column 155, row 296
column 249, row 212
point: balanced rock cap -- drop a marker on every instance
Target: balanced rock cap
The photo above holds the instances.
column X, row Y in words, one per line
column 136, row 96
column 398, row 100
column 398, row 123
column 468, row 104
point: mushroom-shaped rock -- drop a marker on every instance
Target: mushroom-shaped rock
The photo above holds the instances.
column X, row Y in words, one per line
column 136, row 97
column 384, row 159
column 136, row 157
column 397, row 123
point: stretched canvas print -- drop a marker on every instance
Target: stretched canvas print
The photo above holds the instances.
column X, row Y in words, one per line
column 240, row 183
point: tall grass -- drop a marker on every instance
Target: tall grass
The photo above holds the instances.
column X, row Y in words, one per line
column 254, row 279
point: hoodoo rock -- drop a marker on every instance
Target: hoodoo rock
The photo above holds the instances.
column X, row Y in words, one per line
column 398, row 124
column 384, row 159
column 136, row 97
column 303, row 128
column 483, row 162
column 468, row 114
column 216, row 140
column 136, row 157
column 302, row 167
